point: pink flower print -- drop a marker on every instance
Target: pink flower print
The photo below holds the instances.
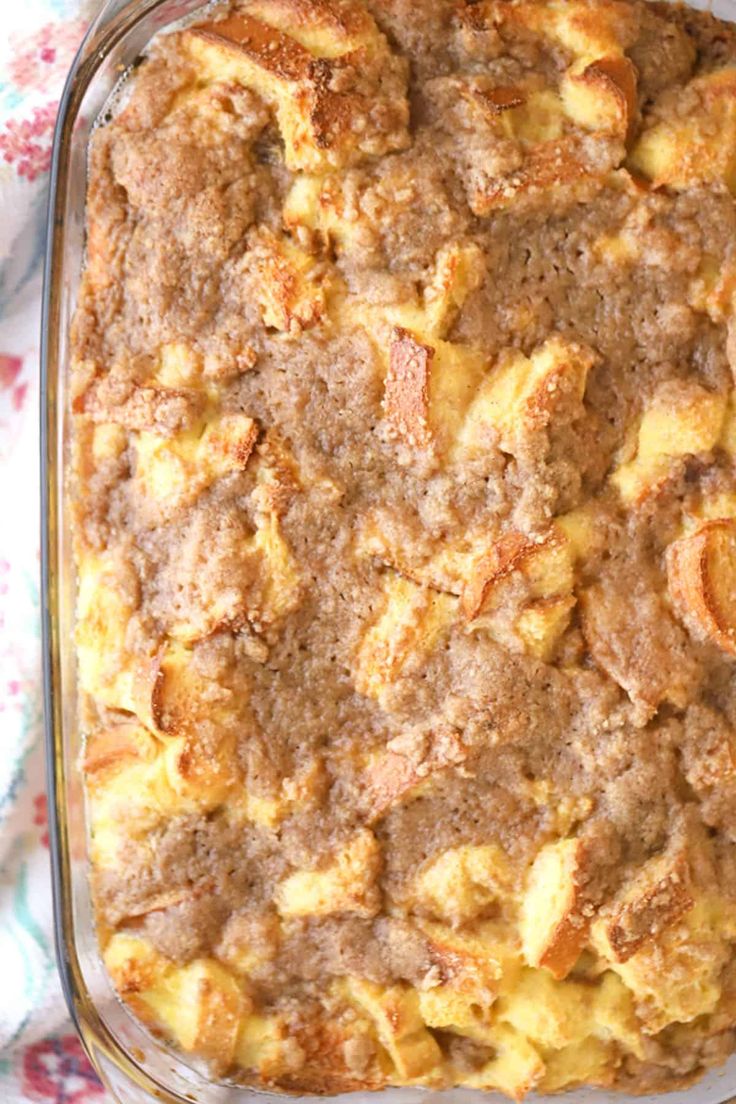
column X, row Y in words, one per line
column 26, row 143
column 57, row 1071
column 40, row 61
column 41, row 816
column 10, row 367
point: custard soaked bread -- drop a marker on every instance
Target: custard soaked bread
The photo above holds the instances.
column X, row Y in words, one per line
column 405, row 522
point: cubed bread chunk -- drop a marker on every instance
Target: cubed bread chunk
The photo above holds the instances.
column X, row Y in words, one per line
column 519, row 397
column 676, row 976
column 556, row 910
column 297, row 67
column 516, row 1069
column 290, row 284
column 411, row 623
column 200, row 1005
column 586, row 31
column 697, row 145
column 601, row 95
column 346, row 885
column 265, row 1046
column 540, row 573
column 682, row 419
column 395, row 1012
column 174, row 470
column 468, row 968
column 110, row 667
column 658, row 896
column 460, row 269
column 133, row 394
column 459, row 883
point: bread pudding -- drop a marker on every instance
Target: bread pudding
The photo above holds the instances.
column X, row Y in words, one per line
column 403, row 471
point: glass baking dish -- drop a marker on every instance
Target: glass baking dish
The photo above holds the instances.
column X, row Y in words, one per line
column 135, row 1067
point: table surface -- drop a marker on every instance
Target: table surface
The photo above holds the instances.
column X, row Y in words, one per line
column 41, row 1059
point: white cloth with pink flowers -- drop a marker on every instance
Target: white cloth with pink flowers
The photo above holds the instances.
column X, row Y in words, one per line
column 41, row 1059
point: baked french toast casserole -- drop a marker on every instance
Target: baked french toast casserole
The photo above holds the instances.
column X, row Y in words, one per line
column 405, row 532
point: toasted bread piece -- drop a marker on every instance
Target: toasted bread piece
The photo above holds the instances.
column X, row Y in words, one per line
column 505, row 556
column 556, row 909
column 297, row 67
column 319, row 203
column 562, row 1016
column 200, row 1005
column 449, row 1008
column 713, row 288
column 541, row 573
column 475, row 957
column 460, row 270
column 266, row 1046
column 601, row 95
column 560, row 171
column 516, row 1069
column 161, row 394
column 186, row 698
column 291, row 285
column 552, row 1015
column 429, row 383
column 555, row 158
column 657, row 897
column 696, row 146
column 282, row 589
column 411, row 623
column 701, row 576
column 138, row 780
column 588, row 1062
column 597, row 94
column 546, row 564
column 427, row 379
column 520, row 396
column 676, row 976
column 477, row 566
column 541, row 625
column 459, row 883
column 586, row 31
column 107, row 601
column 139, row 405
column 278, row 476
column 174, row 470
column 468, row 967
column 446, row 568
column 395, row 1012
column 682, row 419
column 405, row 765
column 347, row 885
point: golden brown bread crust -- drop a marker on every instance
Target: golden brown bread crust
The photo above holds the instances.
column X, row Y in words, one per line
column 404, row 516
column 701, row 581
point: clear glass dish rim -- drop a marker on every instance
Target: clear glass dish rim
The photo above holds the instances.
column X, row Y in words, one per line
column 107, row 1053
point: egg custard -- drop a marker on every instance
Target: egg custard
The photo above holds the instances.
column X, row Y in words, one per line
column 405, row 529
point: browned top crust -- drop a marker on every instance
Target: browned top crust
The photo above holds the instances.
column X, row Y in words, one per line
column 404, row 507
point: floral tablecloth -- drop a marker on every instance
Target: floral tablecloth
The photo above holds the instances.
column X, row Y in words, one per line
column 41, row 1059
